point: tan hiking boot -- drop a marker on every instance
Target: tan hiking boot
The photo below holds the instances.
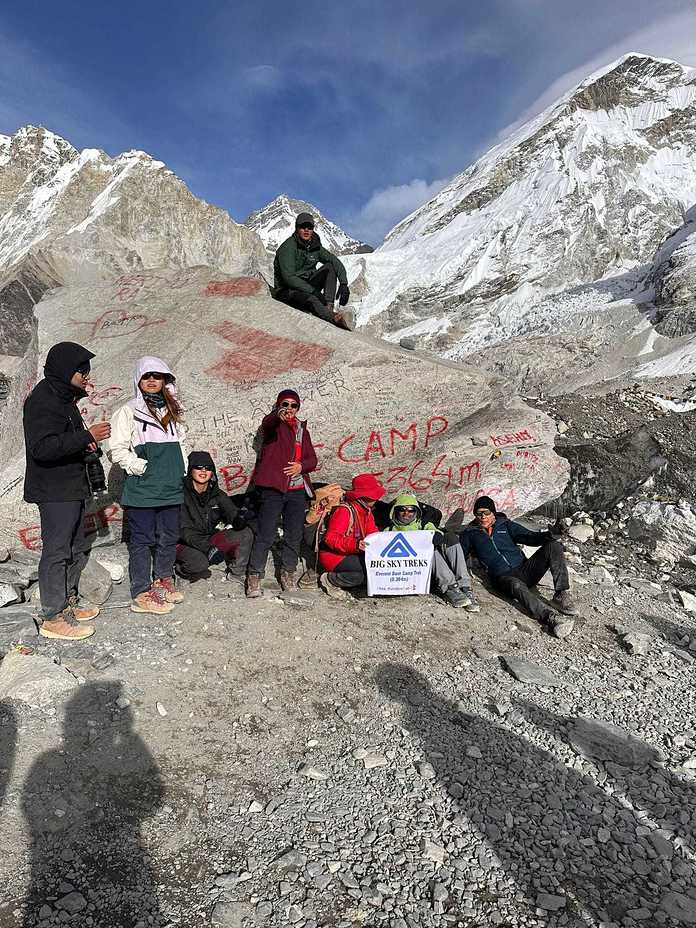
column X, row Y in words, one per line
column 82, row 613
column 345, row 319
column 287, row 580
column 171, row 594
column 308, row 580
column 64, row 627
column 253, row 587
column 153, row 601
column 331, row 589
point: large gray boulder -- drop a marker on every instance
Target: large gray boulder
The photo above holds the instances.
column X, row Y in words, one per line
column 440, row 429
column 34, row 679
column 667, row 531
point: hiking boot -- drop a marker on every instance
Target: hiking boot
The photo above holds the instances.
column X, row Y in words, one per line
column 237, row 582
column 563, row 601
column 153, row 601
column 330, row 588
column 64, row 627
column 253, row 586
column 308, row 580
column 82, row 613
column 455, row 597
column 470, row 605
column 561, row 628
column 345, row 319
column 171, row 594
column 287, row 580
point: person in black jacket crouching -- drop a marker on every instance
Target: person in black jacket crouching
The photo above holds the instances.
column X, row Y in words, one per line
column 57, row 443
column 494, row 540
column 205, row 507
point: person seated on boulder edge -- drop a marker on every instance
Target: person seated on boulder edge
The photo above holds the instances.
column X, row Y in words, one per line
column 494, row 540
column 205, row 506
column 450, row 574
column 298, row 282
column 342, row 553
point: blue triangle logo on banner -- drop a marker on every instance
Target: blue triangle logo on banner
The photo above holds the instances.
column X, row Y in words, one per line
column 398, row 547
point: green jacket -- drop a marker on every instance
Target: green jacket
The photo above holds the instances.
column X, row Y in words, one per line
column 295, row 261
column 406, row 499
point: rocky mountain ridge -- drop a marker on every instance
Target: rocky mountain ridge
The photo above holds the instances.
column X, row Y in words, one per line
column 276, row 221
column 561, row 222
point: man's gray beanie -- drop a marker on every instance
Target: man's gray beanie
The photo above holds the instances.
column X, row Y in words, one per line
column 303, row 219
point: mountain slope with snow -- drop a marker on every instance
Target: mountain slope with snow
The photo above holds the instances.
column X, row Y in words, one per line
column 560, row 220
column 276, row 221
column 89, row 213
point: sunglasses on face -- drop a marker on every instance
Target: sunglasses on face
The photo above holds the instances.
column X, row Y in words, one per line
column 152, row 375
column 406, row 509
column 306, row 226
column 483, row 512
column 203, row 467
column 287, row 405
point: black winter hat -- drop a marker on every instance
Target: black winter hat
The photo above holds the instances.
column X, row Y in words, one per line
column 484, row 502
column 64, row 359
column 201, row 459
column 304, row 219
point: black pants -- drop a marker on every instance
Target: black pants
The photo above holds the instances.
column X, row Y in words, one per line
column 64, row 553
column 516, row 583
column 350, row 572
column 276, row 507
column 324, row 282
column 234, row 548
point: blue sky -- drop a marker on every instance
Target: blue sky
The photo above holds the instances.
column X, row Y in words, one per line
column 364, row 109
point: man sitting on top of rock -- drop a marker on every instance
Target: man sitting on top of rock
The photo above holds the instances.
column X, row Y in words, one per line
column 494, row 540
column 299, row 283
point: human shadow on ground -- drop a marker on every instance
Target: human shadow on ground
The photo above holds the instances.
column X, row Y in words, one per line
column 667, row 797
column 8, row 744
column 84, row 805
column 553, row 829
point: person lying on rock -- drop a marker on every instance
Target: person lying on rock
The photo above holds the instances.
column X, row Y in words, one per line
column 494, row 540
column 147, row 442
column 298, row 282
column 57, row 443
column 205, row 507
column 285, row 460
column 450, row 576
column 342, row 552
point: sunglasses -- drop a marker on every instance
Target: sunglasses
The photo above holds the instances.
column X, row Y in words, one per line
column 305, row 226
column 203, row 467
column 406, row 509
column 482, row 512
column 152, row 375
column 287, row 405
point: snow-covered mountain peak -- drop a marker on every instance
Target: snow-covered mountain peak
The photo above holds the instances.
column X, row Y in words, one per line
column 585, row 191
column 276, row 221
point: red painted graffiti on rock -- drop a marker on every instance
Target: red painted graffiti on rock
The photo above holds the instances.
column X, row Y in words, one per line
column 513, row 438
column 237, row 286
column 259, row 356
column 96, row 523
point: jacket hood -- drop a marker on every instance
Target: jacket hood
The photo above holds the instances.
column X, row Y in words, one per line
column 406, row 499
column 142, row 366
column 63, row 360
column 197, row 458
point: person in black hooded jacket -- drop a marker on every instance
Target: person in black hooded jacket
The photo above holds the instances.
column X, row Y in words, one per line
column 56, row 442
column 205, row 506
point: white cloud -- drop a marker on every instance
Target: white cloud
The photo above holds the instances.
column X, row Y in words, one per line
column 671, row 37
column 262, row 77
column 388, row 206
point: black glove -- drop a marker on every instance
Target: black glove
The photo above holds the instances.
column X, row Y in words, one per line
column 343, row 294
column 558, row 528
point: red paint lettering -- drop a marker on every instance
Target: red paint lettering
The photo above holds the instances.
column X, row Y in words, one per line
column 436, row 472
column 411, row 434
column 430, row 428
column 374, row 446
column 469, row 472
column 234, row 477
column 31, row 537
column 259, row 356
column 238, row 286
column 418, row 483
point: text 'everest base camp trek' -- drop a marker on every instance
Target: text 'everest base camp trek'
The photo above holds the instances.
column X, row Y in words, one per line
column 263, row 503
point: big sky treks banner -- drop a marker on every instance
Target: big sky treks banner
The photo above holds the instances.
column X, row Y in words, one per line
column 398, row 563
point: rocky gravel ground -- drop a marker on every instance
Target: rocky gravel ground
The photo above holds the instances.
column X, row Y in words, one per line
column 392, row 762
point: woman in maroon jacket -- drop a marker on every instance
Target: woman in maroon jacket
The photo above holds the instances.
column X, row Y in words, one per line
column 286, row 457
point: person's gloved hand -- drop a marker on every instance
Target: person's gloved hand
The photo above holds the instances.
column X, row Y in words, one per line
column 558, row 528
column 343, row 294
column 213, row 552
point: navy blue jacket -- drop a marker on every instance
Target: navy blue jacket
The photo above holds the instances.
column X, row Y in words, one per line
column 499, row 553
